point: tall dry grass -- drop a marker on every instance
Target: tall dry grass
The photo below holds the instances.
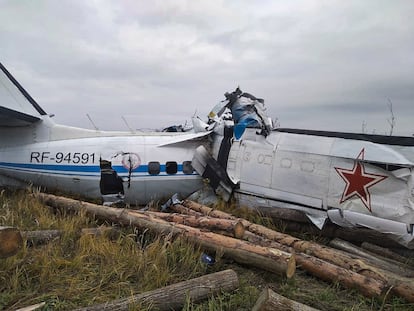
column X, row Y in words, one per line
column 77, row 270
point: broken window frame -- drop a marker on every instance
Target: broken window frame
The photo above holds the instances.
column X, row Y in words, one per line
column 188, row 168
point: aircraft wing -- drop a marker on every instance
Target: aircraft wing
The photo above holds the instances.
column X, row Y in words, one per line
column 9, row 117
column 186, row 137
column 17, row 107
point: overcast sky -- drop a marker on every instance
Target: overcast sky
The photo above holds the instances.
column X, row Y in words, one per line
column 328, row 65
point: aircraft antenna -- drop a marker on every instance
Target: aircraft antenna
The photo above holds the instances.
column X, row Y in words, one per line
column 93, row 124
column 126, row 123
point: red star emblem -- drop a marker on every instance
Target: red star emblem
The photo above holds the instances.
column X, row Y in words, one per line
column 358, row 181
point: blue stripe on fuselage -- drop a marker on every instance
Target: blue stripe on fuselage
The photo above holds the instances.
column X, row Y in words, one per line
column 67, row 168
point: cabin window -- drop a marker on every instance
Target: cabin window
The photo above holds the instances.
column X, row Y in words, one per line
column 187, row 167
column 154, row 168
column 171, row 167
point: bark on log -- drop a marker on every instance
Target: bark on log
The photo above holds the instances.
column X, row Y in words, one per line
column 41, row 236
column 403, row 287
column 372, row 259
column 324, row 270
column 266, row 258
column 332, row 255
column 174, row 296
column 330, row 230
column 327, row 271
column 45, row 236
column 181, row 209
column 208, row 211
column 214, row 224
column 270, row 301
column 10, row 241
column 329, row 254
column 384, row 252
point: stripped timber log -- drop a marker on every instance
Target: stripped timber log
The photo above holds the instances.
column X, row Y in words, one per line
column 265, row 258
column 244, row 252
column 384, row 252
column 342, row 259
column 41, row 236
column 270, row 301
column 327, row 271
column 368, row 286
column 208, row 211
column 214, row 224
column 44, row 236
column 329, row 254
column 173, row 297
column 401, row 286
column 10, row 241
column 394, row 267
column 354, row 273
column 181, row 209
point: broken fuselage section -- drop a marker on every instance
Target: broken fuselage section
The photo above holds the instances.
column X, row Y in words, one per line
column 354, row 180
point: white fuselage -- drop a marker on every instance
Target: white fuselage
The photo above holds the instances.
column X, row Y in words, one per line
column 352, row 182
column 151, row 165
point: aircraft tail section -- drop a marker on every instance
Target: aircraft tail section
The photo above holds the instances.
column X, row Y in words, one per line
column 17, row 107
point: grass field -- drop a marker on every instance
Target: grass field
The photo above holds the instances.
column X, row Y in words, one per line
column 79, row 270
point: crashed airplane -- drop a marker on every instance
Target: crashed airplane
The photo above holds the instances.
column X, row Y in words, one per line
column 115, row 166
column 351, row 180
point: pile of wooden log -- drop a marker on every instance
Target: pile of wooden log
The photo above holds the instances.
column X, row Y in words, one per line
column 211, row 233
column 252, row 244
column 372, row 278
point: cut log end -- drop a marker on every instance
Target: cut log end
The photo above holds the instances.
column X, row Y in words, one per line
column 270, row 300
column 11, row 241
column 291, row 267
column 239, row 230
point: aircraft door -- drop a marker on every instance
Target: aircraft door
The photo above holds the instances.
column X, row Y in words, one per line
column 111, row 184
column 234, row 163
column 257, row 163
column 301, row 178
